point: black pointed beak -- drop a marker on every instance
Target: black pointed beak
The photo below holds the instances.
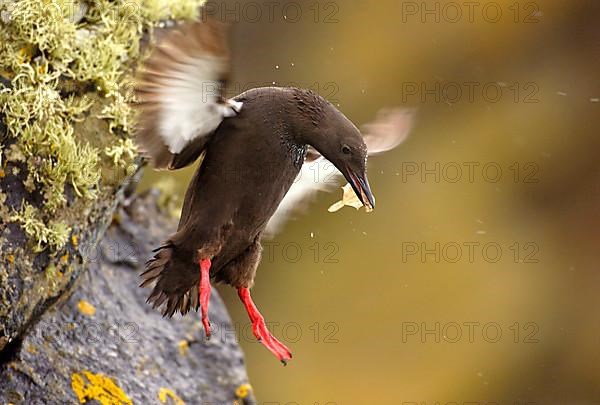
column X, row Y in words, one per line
column 361, row 187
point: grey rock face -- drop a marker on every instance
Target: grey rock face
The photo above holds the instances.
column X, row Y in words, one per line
column 105, row 330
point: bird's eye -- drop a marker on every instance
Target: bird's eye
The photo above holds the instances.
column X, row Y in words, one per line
column 346, row 150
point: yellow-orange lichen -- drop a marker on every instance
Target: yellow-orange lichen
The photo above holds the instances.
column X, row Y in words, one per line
column 88, row 386
column 165, row 393
column 243, row 391
column 86, row 308
column 183, row 346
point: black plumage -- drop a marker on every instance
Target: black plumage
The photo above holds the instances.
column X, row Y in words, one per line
column 252, row 150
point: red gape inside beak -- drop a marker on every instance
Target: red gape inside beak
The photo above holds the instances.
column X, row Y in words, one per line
column 361, row 187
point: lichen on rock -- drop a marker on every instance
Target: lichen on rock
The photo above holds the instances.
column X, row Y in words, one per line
column 66, row 154
column 89, row 386
column 55, row 235
column 69, row 61
column 103, row 342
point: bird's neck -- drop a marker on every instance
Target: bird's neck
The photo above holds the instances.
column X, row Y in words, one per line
column 306, row 110
column 297, row 117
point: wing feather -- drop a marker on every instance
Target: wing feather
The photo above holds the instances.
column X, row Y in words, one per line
column 316, row 174
column 389, row 129
column 179, row 93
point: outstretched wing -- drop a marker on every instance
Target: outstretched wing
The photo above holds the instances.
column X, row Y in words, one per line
column 179, row 92
column 389, row 129
column 316, row 174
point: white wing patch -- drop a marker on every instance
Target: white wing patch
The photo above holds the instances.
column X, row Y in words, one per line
column 180, row 90
column 189, row 103
column 318, row 175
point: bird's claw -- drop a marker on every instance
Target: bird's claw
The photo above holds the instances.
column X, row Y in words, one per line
column 206, row 324
column 259, row 328
column 271, row 342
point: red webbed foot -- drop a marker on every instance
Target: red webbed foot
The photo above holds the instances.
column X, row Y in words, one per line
column 259, row 328
column 205, row 293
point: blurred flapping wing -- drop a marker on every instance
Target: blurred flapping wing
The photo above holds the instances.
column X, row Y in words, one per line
column 179, row 92
column 389, row 129
column 316, row 174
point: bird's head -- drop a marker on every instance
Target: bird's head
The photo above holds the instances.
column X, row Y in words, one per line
column 340, row 142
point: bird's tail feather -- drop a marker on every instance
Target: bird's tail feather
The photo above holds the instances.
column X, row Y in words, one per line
column 176, row 284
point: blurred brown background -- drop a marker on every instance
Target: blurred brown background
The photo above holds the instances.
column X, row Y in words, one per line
column 475, row 285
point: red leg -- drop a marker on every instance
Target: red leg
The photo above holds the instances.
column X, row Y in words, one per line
column 260, row 329
column 205, row 293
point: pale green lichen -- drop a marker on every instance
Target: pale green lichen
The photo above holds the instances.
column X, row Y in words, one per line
column 34, row 109
column 122, row 153
column 54, row 234
column 52, row 51
column 118, row 113
column 52, row 279
column 155, row 10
